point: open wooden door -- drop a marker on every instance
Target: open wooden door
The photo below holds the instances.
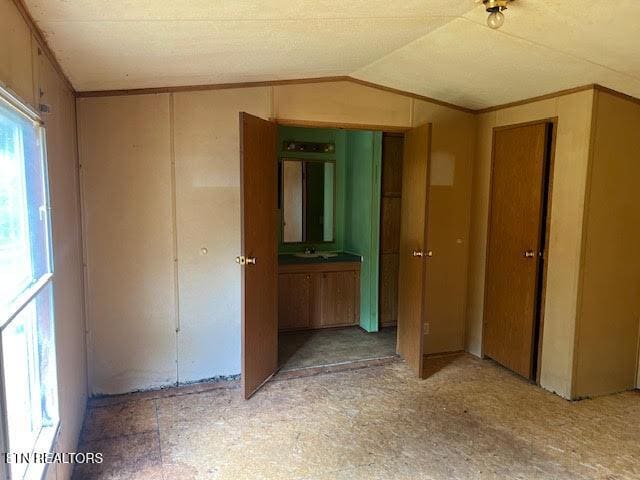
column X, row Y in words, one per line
column 414, row 252
column 259, row 258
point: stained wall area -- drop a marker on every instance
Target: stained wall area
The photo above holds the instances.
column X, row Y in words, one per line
column 26, row 70
column 162, row 214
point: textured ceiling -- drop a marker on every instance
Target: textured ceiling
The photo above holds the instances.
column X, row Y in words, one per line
column 437, row 48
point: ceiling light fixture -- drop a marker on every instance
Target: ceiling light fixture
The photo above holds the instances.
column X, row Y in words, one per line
column 495, row 8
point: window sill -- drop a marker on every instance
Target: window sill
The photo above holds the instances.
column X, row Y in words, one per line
column 45, row 444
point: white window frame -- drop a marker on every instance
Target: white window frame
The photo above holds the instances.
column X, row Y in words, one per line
column 46, row 437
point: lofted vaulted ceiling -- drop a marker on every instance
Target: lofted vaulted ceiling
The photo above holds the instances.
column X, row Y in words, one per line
column 436, row 48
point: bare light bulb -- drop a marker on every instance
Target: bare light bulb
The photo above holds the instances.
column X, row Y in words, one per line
column 495, row 19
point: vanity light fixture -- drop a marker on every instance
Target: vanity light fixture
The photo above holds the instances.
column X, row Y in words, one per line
column 495, row 9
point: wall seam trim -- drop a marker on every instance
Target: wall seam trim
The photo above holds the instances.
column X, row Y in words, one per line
column 174, row 225
column 83, row 245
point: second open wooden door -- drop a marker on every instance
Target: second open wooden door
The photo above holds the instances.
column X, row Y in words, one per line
column 414, row 252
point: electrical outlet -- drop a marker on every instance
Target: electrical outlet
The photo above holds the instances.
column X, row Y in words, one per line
column 426, row 328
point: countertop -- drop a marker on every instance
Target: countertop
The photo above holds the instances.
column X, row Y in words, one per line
column 292, row 259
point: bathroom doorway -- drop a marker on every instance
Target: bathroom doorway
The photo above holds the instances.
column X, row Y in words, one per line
column 330, row 235
column 329, row 269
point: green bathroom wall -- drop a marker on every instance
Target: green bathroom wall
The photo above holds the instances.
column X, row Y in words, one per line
column 358, row 157
column 362, row 216
column 320, row 135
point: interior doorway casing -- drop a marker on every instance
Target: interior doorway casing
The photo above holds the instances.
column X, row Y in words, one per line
column 544, row 235
column 392, row 129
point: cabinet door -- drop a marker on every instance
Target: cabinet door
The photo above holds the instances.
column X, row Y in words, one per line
column 340, row 295
column 294, row 301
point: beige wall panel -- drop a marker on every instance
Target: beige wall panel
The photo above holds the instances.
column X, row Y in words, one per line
column 452, row 145
column 478, row 231
column 607, row 330
column 527, row 112
column 341, row 102
column 15, row 52
column 60, row 126
column 206, row 136
column 563, row 253
column 565, row 240
column 126, row 172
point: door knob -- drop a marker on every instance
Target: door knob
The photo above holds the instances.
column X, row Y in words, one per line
column 529, row 254
column 430, row 253
column 242, row 260
column 417, row 253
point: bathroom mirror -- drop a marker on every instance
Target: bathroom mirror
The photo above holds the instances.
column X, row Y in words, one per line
column 308, row 200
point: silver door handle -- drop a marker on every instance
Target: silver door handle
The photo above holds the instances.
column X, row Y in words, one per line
column 420, row 253
column 529, row 254
column 242, row 260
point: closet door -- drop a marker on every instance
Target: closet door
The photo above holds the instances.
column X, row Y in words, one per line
column 259, row 258
column 514, row 246
column 413, row 248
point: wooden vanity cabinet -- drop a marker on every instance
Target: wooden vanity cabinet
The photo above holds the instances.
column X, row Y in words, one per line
column 320, row 295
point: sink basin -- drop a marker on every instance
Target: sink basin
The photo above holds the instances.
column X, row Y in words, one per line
column 316, row 255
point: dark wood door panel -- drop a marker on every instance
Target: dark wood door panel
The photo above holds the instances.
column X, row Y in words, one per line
column 413, row 233
column 513, row 264
column 258, row 180
column 392, row 151
column 389, row 289
column 390, row 225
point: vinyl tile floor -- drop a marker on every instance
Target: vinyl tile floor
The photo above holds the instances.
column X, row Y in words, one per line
column 313, row 348
column 469, row 419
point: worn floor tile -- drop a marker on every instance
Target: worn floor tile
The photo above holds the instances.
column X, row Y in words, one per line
column 122, row 419
column 470, row 419
column 126, row 457
column 311, row 348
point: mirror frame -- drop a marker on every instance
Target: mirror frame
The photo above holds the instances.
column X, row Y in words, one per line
column 281, row 194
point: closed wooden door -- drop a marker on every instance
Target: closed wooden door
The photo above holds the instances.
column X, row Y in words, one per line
column 258, row 180
column 518, row 192
column 413, row 253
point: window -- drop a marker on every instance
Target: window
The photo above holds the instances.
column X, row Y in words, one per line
column 30, row 394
